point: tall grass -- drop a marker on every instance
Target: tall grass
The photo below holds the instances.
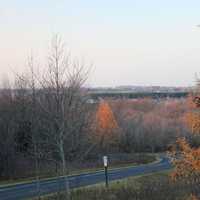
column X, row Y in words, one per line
column 152, row 187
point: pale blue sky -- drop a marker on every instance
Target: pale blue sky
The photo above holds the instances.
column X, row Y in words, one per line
column 130, row 42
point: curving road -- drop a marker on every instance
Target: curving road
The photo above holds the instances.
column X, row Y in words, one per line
column 28, row 190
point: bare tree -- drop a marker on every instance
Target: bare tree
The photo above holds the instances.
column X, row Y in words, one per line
column 44, row 117
column 34, row 120
column 61, row 99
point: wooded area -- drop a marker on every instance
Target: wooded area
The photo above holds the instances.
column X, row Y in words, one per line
column 47, row 123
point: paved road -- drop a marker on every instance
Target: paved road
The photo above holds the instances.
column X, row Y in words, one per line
column 28, row 190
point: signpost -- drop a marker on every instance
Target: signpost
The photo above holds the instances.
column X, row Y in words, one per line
column 105, row 162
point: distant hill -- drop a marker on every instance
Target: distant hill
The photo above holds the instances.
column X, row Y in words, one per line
column 140, row 89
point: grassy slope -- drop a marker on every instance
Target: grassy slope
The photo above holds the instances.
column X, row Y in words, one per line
column 118, row 190
column 156, row 186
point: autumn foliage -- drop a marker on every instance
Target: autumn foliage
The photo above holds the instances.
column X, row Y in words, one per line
column 105, row 127
column 187, row 162
column 105, row 119
column 193, row 122
column 186, row 158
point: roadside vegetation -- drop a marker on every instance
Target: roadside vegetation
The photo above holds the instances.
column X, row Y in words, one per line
column 116, row 161
column 158, row 186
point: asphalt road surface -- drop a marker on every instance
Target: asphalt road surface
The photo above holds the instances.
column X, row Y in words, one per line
column 29, row 190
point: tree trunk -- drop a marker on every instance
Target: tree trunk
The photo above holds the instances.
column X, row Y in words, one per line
column 37, row 169
column 64, row 170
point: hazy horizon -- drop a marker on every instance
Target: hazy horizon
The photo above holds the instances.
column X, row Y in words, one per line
column 129, row 42
column 118, row 86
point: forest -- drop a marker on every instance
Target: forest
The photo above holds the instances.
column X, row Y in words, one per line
column 49, row 127
column 30, row 128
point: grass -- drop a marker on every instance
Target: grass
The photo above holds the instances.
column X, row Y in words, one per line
column 122, row 189
column 155, row 186
column 148, row 158
column 119, row 183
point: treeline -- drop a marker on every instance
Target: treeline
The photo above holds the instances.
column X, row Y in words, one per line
column 147, row 125
column 30, row 128
column 138, row 95
column 47, row 122
column 44, row 117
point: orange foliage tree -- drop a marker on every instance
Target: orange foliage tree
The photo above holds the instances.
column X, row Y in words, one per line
column 185, row 157
column 105, row 126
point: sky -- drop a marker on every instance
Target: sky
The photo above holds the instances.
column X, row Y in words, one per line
column 128, row 42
